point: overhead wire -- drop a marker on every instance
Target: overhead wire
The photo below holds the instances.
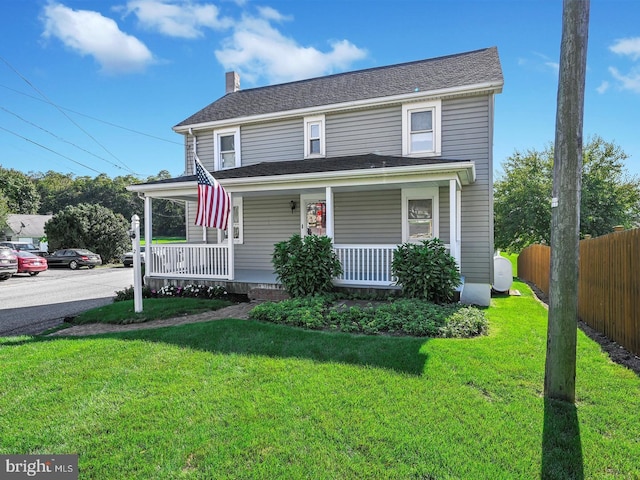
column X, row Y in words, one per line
column 111, row 124
column 49, row 149
column 53, row 134
column 67, row 116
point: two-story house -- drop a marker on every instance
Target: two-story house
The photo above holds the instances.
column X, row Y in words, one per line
column 371, row 158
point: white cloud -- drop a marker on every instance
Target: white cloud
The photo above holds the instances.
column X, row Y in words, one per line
column 90, row 33
column 627, row 46
column 631, row 81
column 257, row 50
column 183, row 19
column 604, row 86
column 539, row 63
column 555, row 66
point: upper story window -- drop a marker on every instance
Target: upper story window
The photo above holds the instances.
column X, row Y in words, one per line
column 227, row 148
column 314, row 136
column 421, row 135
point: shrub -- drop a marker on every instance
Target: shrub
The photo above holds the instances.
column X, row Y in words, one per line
column 89, row 226
column 298, row 312
column 403, row 317
column 425, row 270
column 306, row 266
column 128, row 294
column 465, row 322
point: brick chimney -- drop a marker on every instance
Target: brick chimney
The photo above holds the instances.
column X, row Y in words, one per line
column 232, row 82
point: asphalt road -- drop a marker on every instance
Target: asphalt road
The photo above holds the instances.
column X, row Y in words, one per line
column 31, row 305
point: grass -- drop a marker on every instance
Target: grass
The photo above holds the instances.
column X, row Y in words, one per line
column 152, row 309
column 159, row 240
column 242, row 399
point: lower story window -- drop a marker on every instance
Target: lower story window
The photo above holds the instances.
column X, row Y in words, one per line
column 419, row 214
column 420, row 219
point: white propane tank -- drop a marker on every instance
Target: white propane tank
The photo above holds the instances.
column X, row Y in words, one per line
column 502, row 274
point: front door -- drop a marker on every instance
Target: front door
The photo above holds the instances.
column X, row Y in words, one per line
column 313, row 212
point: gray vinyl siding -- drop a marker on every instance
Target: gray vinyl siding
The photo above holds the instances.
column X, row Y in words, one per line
column 267, row 221
column 368, row 217
column 194, row 232
column 466, row 134
column 272, row 142
column 364, row 131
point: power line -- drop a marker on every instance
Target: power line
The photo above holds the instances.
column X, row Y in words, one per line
column 50, row 150
column 58, row 137
column 137, row 132
column 66, row 115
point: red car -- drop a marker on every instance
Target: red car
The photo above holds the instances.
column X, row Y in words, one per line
column 30, row 263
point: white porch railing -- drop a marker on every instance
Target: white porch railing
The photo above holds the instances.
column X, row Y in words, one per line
column 365, row 264
column 197, row 261
column 361, row 264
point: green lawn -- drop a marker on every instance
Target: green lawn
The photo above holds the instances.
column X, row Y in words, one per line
column 241, row 399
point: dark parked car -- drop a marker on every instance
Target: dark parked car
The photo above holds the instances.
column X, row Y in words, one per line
column 8, row 262
column 23, row 247
column 74, row 258
column 31, row 263
column 127, row 258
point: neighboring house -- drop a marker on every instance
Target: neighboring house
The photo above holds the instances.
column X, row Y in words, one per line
column 371, row 158
column 26, row 228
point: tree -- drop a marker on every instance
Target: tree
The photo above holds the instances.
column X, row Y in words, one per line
column 4, row 210
column 19, row 190
column 168, row 215
column 89, row 226
column 560, row 365
column 522, row 197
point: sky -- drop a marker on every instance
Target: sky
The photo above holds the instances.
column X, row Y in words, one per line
column 95, row 86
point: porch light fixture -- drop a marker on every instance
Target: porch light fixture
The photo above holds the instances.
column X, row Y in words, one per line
column 292, row 204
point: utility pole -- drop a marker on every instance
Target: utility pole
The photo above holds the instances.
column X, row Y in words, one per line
column 560, row 367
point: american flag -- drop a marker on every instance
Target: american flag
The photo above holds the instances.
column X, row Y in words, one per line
column 213, row 202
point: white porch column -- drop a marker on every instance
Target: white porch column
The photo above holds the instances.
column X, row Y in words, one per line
column 230, row 238
column 329, row 213
column 148, row 235
column 454, row 220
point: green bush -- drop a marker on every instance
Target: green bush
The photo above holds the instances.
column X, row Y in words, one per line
column 306, row 267
column 465, row 322
column 296, row 312
column 403, row 317
column 425, row 270
column 89, row 226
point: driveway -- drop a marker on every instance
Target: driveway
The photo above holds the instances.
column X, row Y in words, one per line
column 30, row 305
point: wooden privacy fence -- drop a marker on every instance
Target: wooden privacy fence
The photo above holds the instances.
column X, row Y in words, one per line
column 608, row 283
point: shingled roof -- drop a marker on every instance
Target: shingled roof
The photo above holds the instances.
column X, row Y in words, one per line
column 464, row 69
column 296, row 167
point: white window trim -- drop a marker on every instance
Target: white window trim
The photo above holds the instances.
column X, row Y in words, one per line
column 407, row 110
column 237, row 202
column 308, row 121
column 420, row 194
column 216, row 146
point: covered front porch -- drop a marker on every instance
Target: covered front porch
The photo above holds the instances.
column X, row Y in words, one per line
column 367, row 211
